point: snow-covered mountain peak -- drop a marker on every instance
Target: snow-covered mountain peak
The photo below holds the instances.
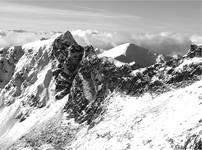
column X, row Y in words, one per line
column 56, row 94
column 68, row 37
column 116, row 51
column 129, row 52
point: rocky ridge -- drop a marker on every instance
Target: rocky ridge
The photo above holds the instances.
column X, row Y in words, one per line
column 93, row 78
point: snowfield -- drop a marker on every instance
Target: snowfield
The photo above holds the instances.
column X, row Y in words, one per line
column 145, row 123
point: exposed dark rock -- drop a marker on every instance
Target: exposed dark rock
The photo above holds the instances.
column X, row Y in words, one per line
column 138, row 54
column 88, row 89
column 193, row 142
column 195, row 51
column 69, row 54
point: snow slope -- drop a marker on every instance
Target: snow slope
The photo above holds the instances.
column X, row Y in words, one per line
column 146, row 123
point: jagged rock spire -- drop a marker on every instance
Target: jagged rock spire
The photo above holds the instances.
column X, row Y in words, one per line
column 67, row 36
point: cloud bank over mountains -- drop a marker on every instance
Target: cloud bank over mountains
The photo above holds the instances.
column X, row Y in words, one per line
column 19, row 37
column 165, row 42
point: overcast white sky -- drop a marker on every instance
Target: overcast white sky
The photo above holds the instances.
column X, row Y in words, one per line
column 120, row 16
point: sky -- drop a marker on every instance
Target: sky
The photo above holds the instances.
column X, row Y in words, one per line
column 112, row 16
column 163, row 26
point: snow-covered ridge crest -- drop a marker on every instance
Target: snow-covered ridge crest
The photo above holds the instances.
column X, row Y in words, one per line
column 58, row 90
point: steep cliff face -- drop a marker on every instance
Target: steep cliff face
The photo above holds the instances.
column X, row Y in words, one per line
column 52, row 90
column 68, row 54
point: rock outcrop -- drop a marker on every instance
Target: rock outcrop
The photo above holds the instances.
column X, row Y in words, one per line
column 195, row 51
column 69, row 55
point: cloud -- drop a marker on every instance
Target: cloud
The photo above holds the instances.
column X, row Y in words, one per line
column 165, row 42
column 102, row 40
column 19, row 31
column 20, row 37
column 196, row 39
column 11, row 38
column 2, row 33
column 62, row 16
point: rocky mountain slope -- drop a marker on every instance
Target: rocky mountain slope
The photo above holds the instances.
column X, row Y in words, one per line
column 56, row 94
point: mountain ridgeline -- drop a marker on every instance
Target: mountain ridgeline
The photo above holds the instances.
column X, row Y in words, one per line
column 58, row 75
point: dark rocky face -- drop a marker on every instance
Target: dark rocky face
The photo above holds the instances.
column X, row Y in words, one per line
column 195, row 51
column 138, row 54
column 85, row 77
column 69, row 55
